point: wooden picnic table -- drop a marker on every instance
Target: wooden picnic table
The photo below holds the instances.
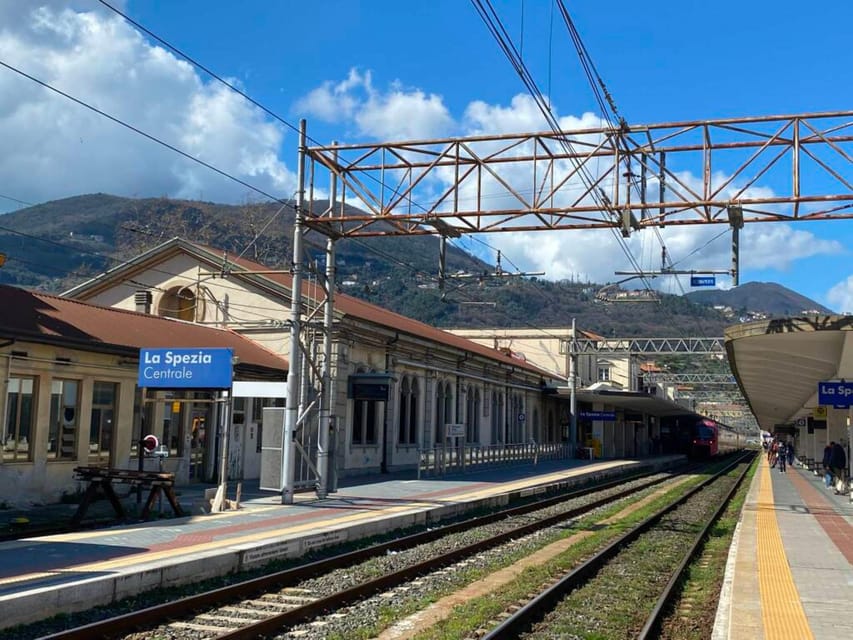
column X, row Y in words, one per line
column 102, row 479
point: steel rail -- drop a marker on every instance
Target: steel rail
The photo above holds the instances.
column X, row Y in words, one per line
column 177, row 609
column 522, row 619
column 651, row 628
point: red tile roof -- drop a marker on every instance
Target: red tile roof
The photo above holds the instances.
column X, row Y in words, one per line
column 351, row 306
column 39, row 317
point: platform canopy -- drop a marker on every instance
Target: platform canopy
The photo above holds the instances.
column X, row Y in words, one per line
column 778, row 363
column 633, row 401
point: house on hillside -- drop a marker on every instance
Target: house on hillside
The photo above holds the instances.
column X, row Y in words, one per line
column 72, row 397
column 396, row 383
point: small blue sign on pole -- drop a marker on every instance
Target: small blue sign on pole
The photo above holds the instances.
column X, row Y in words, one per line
column 703, row 281
column 201, row 368
column 837, row 394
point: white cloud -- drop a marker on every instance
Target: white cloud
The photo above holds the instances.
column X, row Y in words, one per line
column 840, row 296
column 62, row 148
column 397, row 114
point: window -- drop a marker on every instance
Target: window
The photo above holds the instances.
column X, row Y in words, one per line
column 408, row 411
column 102, row 423
column 180, row 303
column 497, row 417
column 173, row 425
column 472, row 415
column 20, row 416
column 364, row 421
column 604, row 374
column 64, row 420
column 443, row 409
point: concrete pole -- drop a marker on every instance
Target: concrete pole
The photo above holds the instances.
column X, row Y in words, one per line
column 325, row 386
column 294, row 369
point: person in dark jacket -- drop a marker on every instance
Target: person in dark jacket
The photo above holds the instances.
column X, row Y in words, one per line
column 827, row 472
column 838, row 465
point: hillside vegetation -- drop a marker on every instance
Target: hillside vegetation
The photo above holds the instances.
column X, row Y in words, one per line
column 58, row 244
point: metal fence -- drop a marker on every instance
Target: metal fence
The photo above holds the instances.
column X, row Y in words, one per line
column 445, row 459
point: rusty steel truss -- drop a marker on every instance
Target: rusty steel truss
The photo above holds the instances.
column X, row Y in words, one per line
column 765, row 169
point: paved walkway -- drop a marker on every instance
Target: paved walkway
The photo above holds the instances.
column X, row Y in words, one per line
column 790, row 574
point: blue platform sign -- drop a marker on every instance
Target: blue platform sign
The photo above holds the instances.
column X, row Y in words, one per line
column 837, row 394
column 607, row 416
column 201, row 368
column 703, row 281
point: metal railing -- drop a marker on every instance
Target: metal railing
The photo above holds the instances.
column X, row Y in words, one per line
column 445, row 459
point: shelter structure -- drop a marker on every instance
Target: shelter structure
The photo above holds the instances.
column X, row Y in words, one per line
column 780, row 364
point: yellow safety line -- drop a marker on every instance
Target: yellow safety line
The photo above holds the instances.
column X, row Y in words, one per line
column 781, row 609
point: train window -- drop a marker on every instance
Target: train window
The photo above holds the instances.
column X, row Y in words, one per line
column 705, row 433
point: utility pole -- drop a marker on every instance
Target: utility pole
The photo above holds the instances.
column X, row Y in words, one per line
column 324, row 435
column 294, row 369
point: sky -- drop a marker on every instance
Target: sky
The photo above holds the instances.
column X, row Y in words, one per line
column 385, row 70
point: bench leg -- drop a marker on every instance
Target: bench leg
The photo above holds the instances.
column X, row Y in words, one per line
column 111, row 494
column 85, row 501
column 173, row 501
column 155, row 491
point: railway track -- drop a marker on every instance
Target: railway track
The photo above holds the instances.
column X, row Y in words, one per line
column 265, row 606
column 624, row 590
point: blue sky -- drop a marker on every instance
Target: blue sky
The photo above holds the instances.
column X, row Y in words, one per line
column 388, row 70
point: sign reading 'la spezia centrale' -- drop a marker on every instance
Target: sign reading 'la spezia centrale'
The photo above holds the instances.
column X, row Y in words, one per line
column 837, row 394
column 200, row 368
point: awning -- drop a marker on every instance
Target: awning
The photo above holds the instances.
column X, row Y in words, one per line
column 629, row 401
column 778, row 363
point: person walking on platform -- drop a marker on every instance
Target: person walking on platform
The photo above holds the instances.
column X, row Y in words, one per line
column 838, row 465
column 790, row 450
column 827, row 471
column 782, row 456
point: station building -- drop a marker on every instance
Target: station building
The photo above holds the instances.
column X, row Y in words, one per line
column 72, row 399
column 396, row 382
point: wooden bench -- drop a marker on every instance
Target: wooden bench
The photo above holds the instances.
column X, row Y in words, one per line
column 102, row 479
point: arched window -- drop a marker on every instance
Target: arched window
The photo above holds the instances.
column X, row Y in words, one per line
column 408, row 407
column 443, row 409
column 472, row 415
column 497, row 417
column 180, row 303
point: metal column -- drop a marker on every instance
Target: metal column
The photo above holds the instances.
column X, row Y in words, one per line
column 325, row 386
column 295, row 356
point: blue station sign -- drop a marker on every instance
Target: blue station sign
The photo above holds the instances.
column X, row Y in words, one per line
column 607, row 416
column 185, row 368
column 836, row 394
column 703, row 281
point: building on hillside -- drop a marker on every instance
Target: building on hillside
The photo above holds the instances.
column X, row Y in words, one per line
column 72, row 397
column 396, row 383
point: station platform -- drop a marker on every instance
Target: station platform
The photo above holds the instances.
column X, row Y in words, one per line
column 790, row 568
column 44, row 576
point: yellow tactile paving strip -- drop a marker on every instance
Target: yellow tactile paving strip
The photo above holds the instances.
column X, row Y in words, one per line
column 781, row 610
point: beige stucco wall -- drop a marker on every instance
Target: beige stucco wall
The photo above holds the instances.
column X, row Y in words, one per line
column 45, row 480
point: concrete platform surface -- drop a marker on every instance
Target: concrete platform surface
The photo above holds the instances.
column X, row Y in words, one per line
column 43, row 576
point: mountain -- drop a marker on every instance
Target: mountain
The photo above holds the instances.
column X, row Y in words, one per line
column 58, row 244
column 753, row 298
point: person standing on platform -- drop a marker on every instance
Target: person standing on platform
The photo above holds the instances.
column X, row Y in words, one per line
column 827, row 471
column 838, row 465
column 782, row 456
column 790, row 450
